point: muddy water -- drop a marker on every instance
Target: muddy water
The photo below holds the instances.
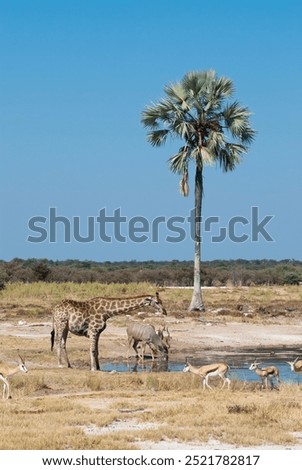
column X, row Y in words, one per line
column 239, row 367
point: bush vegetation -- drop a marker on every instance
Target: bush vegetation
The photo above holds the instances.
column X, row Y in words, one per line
column 162, row 273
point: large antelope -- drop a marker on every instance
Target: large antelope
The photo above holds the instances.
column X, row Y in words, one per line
column 296, row 365
column 211, row 370
column 266, row 373
column 6, row 371
column 146, row 335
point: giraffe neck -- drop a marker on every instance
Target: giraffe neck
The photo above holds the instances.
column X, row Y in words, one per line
column 112, row 307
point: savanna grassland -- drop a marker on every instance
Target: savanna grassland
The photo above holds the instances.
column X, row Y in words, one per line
column 54, row 408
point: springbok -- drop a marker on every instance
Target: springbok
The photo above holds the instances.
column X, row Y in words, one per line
column 219, row 369
column 296, row 365
column 6, row 371
column 266, row 373
column 146, row 335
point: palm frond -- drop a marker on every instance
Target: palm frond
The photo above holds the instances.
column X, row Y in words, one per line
column 184, row 129
column 183, row 184
column 236, row 119
column 223, row 88
column 247, row 134
column 197, row 83
column 150, row 117
column 179, row 161
column 159, row 112
column 158, row 137
column 178, row 95
column 230, row 156
column 203, row 155
column 215, row 141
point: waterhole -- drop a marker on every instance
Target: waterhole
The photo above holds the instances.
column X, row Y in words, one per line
column 239, row 367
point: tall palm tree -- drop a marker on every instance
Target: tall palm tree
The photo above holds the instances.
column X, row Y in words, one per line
column 211, row 129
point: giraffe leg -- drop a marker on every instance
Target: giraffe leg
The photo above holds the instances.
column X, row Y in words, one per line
column 92, row 353
column 59, row 348
column 94, row 350
column 62, row 339
column 97, row 352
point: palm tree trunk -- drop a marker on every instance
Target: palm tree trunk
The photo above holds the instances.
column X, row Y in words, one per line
column 197, row 302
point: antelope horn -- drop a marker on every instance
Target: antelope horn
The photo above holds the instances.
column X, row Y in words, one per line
column 22, row 360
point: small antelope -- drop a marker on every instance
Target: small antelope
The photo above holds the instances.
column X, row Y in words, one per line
column 266, row 373
column 212, row 370
column 296, row 365
column 6, row 371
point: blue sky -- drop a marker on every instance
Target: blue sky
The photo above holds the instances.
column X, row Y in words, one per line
column 75, row 77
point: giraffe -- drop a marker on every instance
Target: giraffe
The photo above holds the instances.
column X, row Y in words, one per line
column 88, row 318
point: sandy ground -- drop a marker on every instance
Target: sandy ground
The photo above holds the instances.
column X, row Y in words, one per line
column 190, row 337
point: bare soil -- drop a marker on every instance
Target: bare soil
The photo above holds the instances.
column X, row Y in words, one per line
column 190, row 337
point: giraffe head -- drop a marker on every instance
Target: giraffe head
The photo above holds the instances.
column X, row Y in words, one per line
column 155, row 302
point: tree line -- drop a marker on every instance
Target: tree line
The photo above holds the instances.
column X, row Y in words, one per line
column 238, row 272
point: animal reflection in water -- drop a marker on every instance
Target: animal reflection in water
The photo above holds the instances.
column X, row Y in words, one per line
column 159, row 365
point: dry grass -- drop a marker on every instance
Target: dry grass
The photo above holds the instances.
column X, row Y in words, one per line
column 35, row 300
column 75, row 409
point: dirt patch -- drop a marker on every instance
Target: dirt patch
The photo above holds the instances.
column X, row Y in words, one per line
column 190, row 337
column 126, row 425
column 211, row 444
